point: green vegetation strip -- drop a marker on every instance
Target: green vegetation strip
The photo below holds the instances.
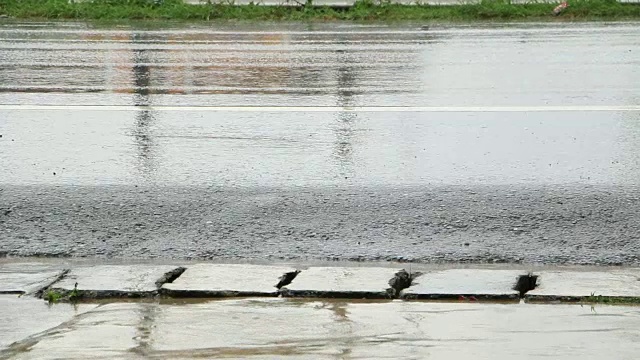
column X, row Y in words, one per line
column 612, row 300
column 56, row 295
column 592, row 299
column 363, row 10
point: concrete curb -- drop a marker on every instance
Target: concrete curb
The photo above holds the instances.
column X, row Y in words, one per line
column 239, row 280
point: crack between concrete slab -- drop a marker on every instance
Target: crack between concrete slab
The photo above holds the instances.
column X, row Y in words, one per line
column 287, row 278
column 170, row 276
column 87, row 295
column 39, row 293
column 400, row 281
column 525, row 283
column 347, row 295
column 198, row 294
column 12, row 292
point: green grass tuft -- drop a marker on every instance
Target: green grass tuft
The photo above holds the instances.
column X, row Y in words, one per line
column 611, row 300
column 52, row 296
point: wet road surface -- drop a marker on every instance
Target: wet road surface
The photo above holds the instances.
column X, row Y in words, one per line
column 282, row 328
column 484, row 143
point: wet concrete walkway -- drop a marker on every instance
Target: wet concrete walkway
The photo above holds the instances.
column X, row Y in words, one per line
column 274, row 328
column 317, row 311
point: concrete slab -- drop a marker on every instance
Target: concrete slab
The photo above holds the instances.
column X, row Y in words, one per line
column 103, row 281
column 216, row 280
column 23, row 317
column 451, row 284
column 421, row 330
column 294, row 328
column 342, row 282
column 576, row 285
column 245, row 328
column 114, row 331
column 27, row 277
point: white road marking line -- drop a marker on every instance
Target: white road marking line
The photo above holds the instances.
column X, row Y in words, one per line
column 576, row 108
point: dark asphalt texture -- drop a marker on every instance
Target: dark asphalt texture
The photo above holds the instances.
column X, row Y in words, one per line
column 494, row 224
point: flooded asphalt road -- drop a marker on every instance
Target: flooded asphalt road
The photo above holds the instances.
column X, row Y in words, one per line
column 487, row 143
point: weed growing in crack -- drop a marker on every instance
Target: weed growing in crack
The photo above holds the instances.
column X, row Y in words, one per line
column 74, row 295
column 611, row 300
column 52, row 296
